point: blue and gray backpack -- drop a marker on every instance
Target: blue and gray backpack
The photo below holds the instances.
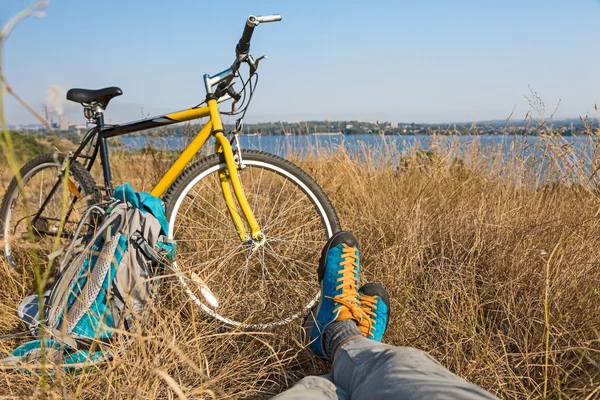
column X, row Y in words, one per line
column 103, row 285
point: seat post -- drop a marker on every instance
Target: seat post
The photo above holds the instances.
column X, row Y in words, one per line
column 104, row 160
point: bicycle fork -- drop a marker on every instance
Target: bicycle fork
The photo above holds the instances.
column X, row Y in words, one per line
column 229, row 177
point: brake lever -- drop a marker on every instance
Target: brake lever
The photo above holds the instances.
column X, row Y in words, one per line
column 254, row 63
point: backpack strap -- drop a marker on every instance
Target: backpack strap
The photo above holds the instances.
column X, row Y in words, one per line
column 87, row 343
column 120, row 305
column 149, row 251
column 82, row 222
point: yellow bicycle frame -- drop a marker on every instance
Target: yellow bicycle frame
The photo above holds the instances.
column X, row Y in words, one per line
column 228, row 176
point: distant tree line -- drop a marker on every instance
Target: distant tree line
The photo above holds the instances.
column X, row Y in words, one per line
column 499, row 127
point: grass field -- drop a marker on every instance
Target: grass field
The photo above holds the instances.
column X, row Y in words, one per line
column 492, row 267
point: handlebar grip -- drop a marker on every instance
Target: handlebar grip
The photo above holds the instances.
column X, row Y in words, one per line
column 269, row 18
column 243, row 46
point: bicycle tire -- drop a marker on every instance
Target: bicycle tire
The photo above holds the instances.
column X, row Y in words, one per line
column 86, row 185
column 312, row 203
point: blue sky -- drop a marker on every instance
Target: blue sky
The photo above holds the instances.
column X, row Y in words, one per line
column 421, row 61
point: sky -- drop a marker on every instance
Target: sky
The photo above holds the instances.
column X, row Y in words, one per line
column 423, row 61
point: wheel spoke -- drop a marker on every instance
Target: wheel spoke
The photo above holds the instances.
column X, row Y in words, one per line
column 281, row 214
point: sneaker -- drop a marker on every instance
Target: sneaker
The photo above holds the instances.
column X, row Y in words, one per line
column 375, row 305
column 338, row 276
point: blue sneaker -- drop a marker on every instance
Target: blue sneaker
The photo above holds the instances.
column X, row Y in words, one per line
column 375, row 304
column 339, row 266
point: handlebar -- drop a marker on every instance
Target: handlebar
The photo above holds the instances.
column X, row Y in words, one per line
column 224, row 78
column 243, row 46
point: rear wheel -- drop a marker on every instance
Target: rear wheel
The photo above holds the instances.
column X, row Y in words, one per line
column 256, row 284
column 23, row 247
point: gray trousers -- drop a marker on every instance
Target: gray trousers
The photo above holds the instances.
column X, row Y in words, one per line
column 368, row 370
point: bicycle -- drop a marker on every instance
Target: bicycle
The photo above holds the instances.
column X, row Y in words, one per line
column 252, row 268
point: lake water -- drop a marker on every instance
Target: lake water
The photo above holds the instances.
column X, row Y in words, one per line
column 358, row 144
column 536, row 159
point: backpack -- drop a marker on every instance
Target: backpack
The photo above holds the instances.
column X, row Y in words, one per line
column 103, row 285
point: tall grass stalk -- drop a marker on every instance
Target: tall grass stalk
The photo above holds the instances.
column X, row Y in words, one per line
column 547, row 319
column 7, row 148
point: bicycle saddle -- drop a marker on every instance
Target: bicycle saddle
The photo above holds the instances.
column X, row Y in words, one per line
column 100, row 96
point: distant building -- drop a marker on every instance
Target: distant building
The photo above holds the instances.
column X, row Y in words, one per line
column 393, row 125
column 45, row 112
column 327, row 133
column 27, row 128
column 63, row 123
column 349, row 126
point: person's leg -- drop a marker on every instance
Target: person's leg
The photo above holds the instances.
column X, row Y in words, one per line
column 337, row 327
column 313, row 387
column 366, row 369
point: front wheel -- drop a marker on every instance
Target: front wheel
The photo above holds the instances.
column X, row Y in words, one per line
column 250, row 285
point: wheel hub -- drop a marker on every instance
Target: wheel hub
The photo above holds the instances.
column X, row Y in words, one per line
column 253, row 245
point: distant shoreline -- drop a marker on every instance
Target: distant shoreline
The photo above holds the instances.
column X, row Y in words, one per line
column 567, row 127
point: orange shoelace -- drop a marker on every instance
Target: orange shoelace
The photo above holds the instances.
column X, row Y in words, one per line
column 348, row 303
column 368, row 307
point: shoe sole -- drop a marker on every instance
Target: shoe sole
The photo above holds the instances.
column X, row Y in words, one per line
column 313, row 314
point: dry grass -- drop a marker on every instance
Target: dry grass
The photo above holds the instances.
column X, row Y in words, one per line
column 490, row 266
column 491, row 263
